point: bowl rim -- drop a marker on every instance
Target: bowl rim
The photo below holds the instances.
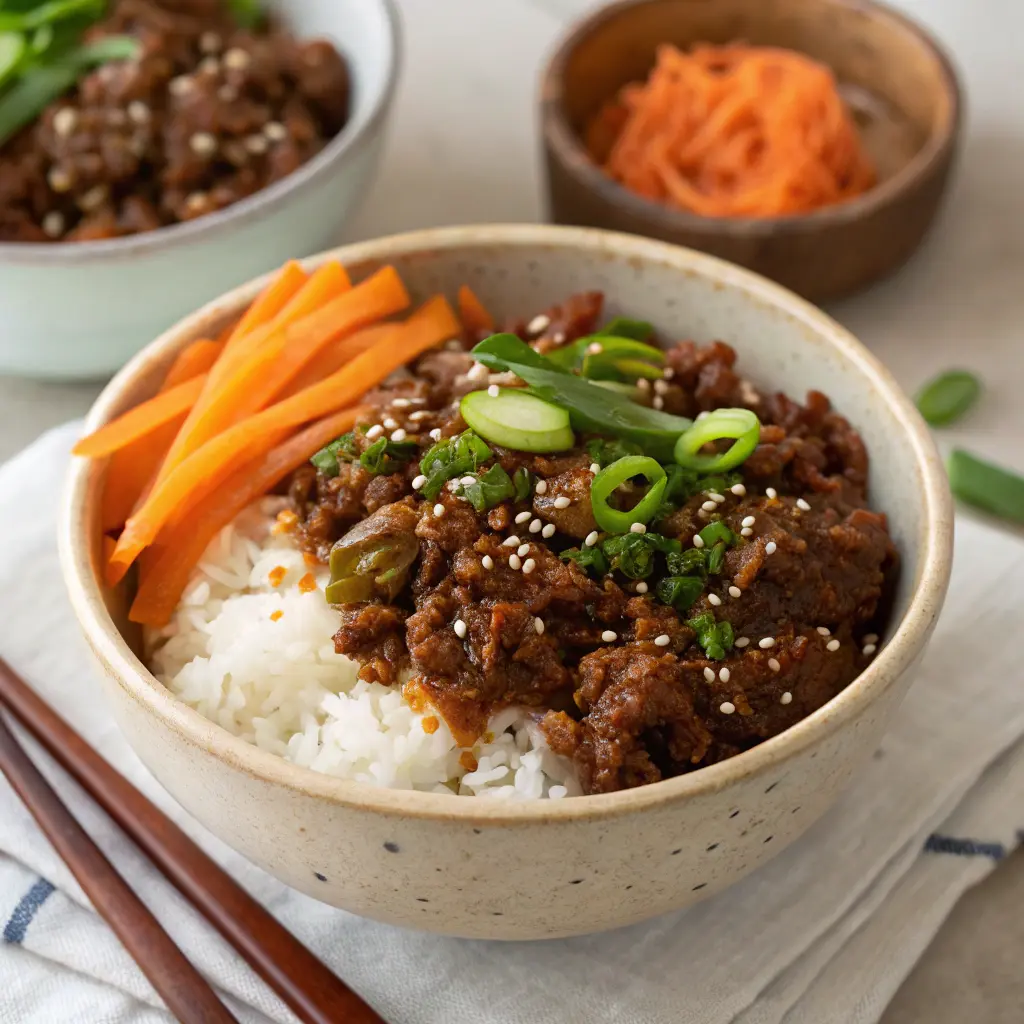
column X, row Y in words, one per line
column 564, row 141
column 900, row 651
column 259, row 205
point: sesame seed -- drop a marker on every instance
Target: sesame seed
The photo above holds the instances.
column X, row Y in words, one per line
column 548, row 531
column 210, row 42
column 741, row 641
column 714, row 599
column 275, row 131
column 493, row 390
column 435, row 434
column 595, row 468
column 528, row 566
column 53, row 223
column 538, row 325
column 562, row 502
column 591, row 539
column 702, row 415
column 773, row 664
column 824, row 631
column 400, row 403
column 870, row 649
column 227, row 93
column 771, row 547
column 460, row 629
column 419, row 415
column 637, row 528
column 748, row 521
column 669, row 373
column 595, row 348
column 467, row 480
column 181, row 85
column 786, row 698
column 658, row 402
column 487, row 562
column 641, row 587
column 237, row 59
column 209, row 66
column 715, row 496
column 871, row 638
column 523, row 517
column 746, row 532
column 523, row 550
column 538, row 625
column 94, row 198
column 739, row 490
column 138, row 112
column 478, row 372
column 727, row 707
column 454, row 485
column 197, row 202
column 439, row 510
column 660, row 387
column 374, row 432
column 510, row 542
column 766, row 644
column 542, row 487
column 709, row 506
column 399, row 435
column 418, row 482
column 698, row 540
column 535, row 526
column 558, row 337
column 802, row 505
column 735, row 592
column 643, row 384
column 203, row 144
column 709, row 674
column 724, row 674
column 771, row 493
column 663, row 641
column 515, row 562
column 832, row 645
column 256, row 144
column 59, row 179
column 390, row 424
column 64, row 121
column 609, row 636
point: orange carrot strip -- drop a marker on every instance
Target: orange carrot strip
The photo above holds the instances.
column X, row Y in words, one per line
column 181, row 547
column 206, row 468
column 141, row 420
column 271, row 301
column 473, row 312
column 338, row 353
column 193, row 360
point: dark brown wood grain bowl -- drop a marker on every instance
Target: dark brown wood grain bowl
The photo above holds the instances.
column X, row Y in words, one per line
column 900, row 85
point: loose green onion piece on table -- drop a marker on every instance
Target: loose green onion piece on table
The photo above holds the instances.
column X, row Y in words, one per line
column 517, row 420
column 610, row 479
column 946, row 398
column 740, row 425
column 991, row 488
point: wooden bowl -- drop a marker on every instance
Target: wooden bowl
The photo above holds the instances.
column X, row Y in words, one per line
column 902, row 88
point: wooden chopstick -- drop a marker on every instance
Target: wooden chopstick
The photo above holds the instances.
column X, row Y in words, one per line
column 180, row 985
column 311, row 990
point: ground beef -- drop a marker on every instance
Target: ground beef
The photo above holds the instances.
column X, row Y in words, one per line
column 208, row 114
column 491, row 615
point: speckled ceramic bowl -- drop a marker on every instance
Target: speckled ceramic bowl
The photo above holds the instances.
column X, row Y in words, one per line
column 82, row 310
column 477, row 868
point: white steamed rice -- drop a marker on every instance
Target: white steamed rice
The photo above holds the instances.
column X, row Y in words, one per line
column 276, row 681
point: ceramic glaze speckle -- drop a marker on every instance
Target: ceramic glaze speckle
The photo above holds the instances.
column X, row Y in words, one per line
column 551, row 868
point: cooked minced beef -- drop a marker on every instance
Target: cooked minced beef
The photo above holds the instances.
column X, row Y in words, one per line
column 619, row 678
column 208, row 114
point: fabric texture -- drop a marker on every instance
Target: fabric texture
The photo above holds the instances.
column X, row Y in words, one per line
column 824, row 933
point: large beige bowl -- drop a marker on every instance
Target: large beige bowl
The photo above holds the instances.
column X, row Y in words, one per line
column 477, row 868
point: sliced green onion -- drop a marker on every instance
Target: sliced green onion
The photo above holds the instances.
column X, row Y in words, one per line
column 623, row 327
column 599, row 350
column 715, row 532
column 687, row 563
column 946, row 398
column 385, row 456
column 679, row 591
column 715, row 637
column 517, row 420
column 633, row 553
column 344, row 449
column 489, row 489
column 608, row 480
column 992, row 488
column 588, row 559
column 522, row 481
column 449, row 458
column 632, row 369
column 740, row 424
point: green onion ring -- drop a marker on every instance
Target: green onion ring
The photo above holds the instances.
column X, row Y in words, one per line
column 612, row 520
column 740, row 424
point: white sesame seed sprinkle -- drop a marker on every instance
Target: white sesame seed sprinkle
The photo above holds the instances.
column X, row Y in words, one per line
column 548, row 531
column 771, row 547
column 542, row 487
column 510, row 542
column 558, row 337
column 535, row 525
column 523, row 517
column 595, row 348
column 210, row 42
column 467, row 480
column 709, row 506
column 641, row 587
column 460, row 629
column 739, row 490
column 64, row 121
column 773, row 664
column 669, row 373
column 870, row 649
column 400, row 403
column 528, row 566
column 435, row 434
column 643, row 384
column 748, row 521
column 767, row 643
column 716, row 497
column 832, row 645
column 746, row 532
column 595, row 468
column 478, row 372
column 59, row 179
column 538, row 325
column 419, row 415
column 871, row 638
column 538, row 625
column 609, row 636
column 727, row 707
column 663, row 641
column 374, row 432
column 658, row 402
column 256, row 144
column 53, row 224
column 724, row 674
column 735, row 592
column 487, row 562
column 454, row 485
column 439, row 510
column 823, row 631
column 786, row 698
column 523, row 550
column 741, row 641
column 591, row 539
column 637, row 528
column 203, row 144
column 181, row 85
column 714, row 599
column 399, row 435
column 275, row 131
column 709, row 674
column 237, row 59
column 562, row 501
column 389, row 423
column 493, row 390
column 702, row 415
column 771, row 493
column 802, row 505
column 515, row 562
column 660, row 387
column 418, row 482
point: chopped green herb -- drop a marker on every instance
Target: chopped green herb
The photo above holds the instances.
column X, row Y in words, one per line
column 716, row 558
column 452, row 457
column 946, row 398
column 329, row 458
column 633, row 553
column 605, row 452
column 522, row 481
column 489, row 489
column 715, row 637
column 992, row 488
column 687, row 563
column 385, row 456
column 715, row 532
column 679, row 591
column 591, row 560
column 608, row 481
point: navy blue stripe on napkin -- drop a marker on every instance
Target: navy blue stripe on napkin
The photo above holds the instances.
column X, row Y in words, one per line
column 26, row 910
column 964, row 847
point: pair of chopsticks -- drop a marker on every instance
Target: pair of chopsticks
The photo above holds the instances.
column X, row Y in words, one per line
column 314, row 994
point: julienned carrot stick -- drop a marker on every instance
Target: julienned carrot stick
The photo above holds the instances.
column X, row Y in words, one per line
column 206, row 468
column 206, row 419
column 193, row 360
column 141, row 420
column 473, row 312
column 339, row 352
column 180, row 547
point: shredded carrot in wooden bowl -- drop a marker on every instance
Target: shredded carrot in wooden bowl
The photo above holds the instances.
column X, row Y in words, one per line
column 733, row 131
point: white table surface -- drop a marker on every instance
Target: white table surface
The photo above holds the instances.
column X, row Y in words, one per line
column 464, row 148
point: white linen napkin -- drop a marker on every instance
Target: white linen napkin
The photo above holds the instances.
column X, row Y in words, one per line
column 824, row 933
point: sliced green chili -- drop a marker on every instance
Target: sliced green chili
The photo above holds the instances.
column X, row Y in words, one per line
column 608, row 480
column 946, row 398
column 679, row 592
column 741, row 425
column 987, row 487
column 715, row 532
